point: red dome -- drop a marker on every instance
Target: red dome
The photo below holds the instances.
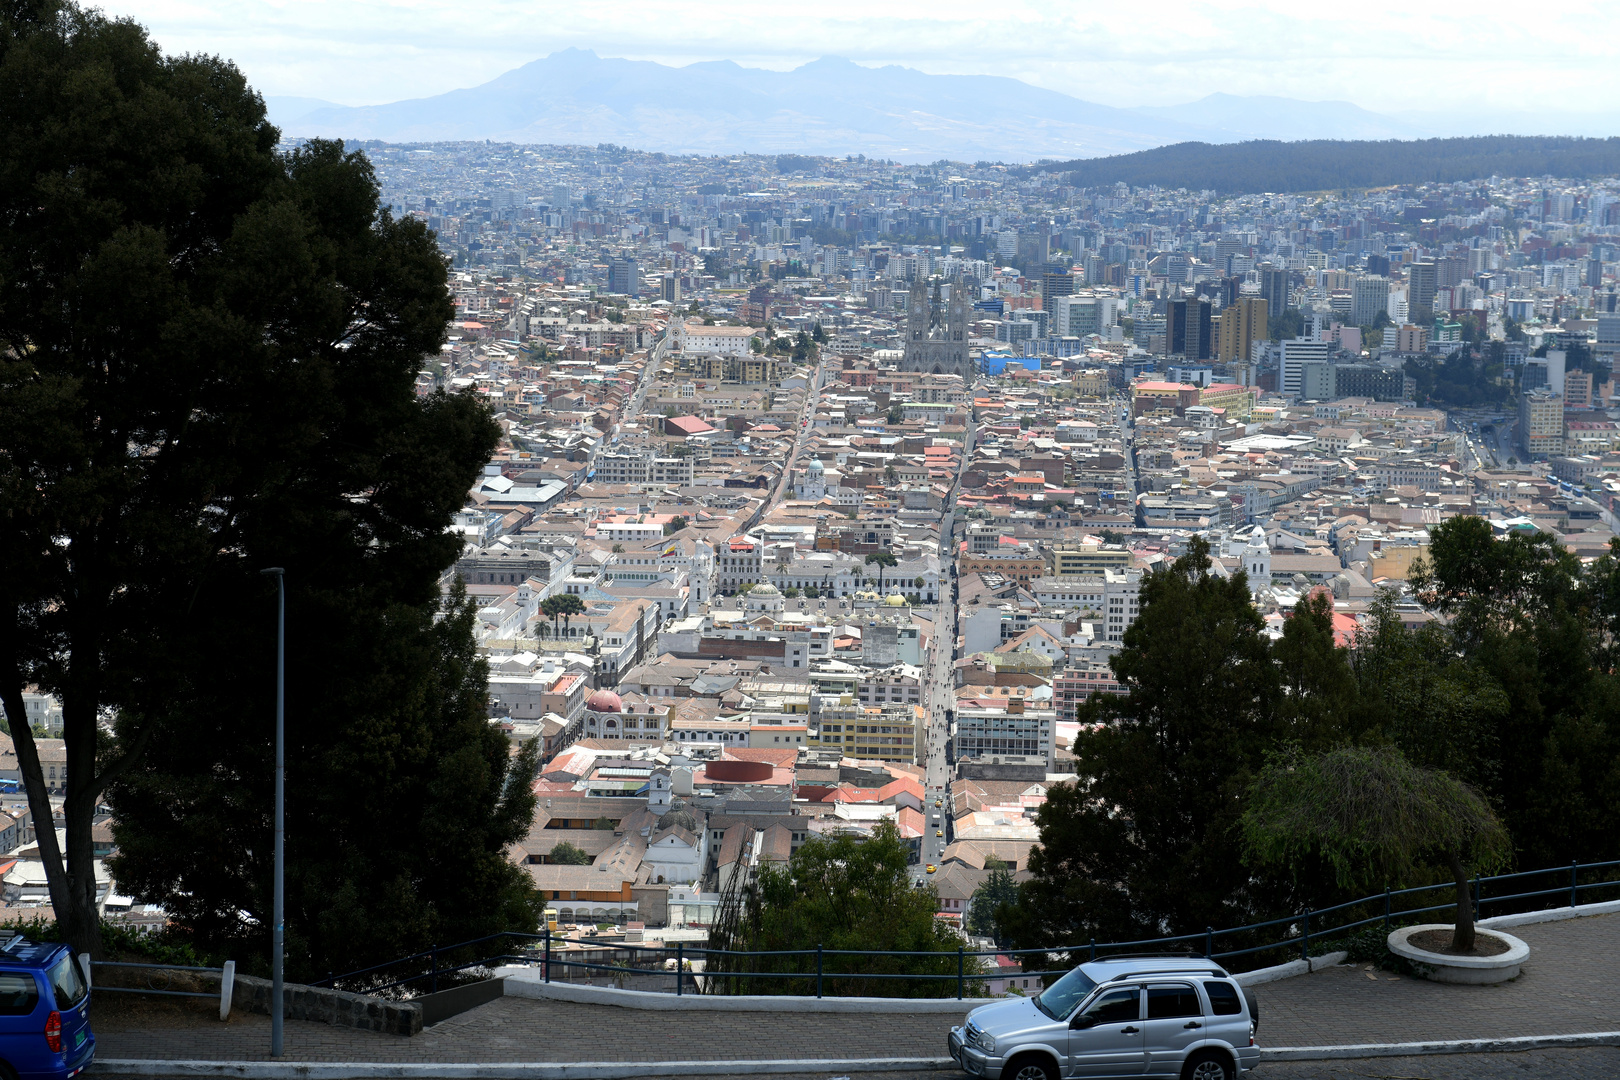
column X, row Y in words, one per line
column 604, row 701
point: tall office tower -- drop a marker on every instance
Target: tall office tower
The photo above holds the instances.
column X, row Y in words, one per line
column 1422, row 283
column 1378, row 264
column 1450, row 270
column 1369, row 298
column 672, row 289
column 1187, row 329
column 1006, row 246
column 1034, row 250
column 624, row 277
column 1055, row 282
column 1230, row 290
column 1274, row 289
column 1095, row 267
column 1594, row 273
column 1294, row 356
column 1242, row 324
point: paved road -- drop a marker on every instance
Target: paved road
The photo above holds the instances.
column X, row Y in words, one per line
column 1566, row 988
column 940, row 693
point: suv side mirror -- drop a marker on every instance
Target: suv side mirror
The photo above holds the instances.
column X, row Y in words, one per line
column 1082, row 1022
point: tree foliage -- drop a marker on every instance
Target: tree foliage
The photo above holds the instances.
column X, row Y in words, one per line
column 1144, row 843
column 1334, row 164
column 1375, row 819
column 996, row 892
column 840, row 892
column 209, row 368
column 566, row 854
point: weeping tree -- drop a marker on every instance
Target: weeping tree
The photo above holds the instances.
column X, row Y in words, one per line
column 1373, row 818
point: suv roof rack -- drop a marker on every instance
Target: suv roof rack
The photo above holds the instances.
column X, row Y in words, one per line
column 1215, row 971
column 1177, row 955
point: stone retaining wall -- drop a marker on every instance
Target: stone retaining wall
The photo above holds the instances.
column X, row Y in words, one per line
column 333, row 1007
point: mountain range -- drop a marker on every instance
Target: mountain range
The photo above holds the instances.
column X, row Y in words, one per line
column 829, row 106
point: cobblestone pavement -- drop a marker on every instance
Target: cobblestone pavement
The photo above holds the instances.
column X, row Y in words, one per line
column 1565, row 989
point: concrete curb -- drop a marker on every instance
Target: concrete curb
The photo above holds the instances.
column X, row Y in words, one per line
column 1449, row 1046
column 581, row 1070
column 1559, row 914
column 528, row 985
column 1290, row 969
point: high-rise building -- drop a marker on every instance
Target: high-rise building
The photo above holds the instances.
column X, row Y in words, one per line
column 1055, row 282
column 1450, row 270
column 1187, row 329
column 1369, row 298
column 1242, row 324
column 1274, row 289
column 1422, row 282
column 1541, row 422
column 1294, row 355
column 624, row 277
column 671, row 289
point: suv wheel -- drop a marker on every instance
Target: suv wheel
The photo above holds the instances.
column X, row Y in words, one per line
column 1029, row 1067
column 1207, row 1066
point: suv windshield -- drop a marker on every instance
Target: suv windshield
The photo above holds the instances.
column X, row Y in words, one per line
column 66, row 983
column 1059, row 999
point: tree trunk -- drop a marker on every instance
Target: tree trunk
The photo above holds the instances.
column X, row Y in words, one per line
column 72, row 885
column 1462, row 934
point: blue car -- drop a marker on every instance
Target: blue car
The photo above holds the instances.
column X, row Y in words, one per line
column 44, row 1012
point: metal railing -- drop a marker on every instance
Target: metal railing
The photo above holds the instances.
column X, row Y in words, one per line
column 1291, row 936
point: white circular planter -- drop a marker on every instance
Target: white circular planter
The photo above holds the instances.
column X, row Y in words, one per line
column 1475, row 970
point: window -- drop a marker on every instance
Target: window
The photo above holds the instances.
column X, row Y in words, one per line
column 67, row 983
column 18, row 993
column 1116, row 1006
column 1223, row 998
column 1165, row 1002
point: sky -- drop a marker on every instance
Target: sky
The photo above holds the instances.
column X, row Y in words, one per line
column 1398, row 56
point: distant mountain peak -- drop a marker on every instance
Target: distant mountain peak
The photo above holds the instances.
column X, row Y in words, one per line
column 829, row 106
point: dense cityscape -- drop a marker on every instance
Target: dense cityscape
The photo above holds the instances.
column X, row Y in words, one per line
column 478, row 604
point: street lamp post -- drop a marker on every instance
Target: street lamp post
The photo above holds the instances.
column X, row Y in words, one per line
column 277, row 1006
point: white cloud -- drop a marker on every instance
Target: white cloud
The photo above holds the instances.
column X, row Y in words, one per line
column 1386, row 55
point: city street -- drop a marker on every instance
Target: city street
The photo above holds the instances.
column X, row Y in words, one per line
column 940, row 695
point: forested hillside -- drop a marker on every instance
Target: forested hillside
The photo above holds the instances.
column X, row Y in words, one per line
column 1322, row 165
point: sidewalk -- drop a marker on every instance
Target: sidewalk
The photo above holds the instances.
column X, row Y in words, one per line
column 1566, row 988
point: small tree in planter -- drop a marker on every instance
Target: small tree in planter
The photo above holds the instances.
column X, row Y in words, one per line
column 1374, row 818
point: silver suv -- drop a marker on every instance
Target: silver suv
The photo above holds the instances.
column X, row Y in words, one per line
column 1119, row 1016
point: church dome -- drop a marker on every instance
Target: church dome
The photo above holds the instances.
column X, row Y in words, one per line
column 604, row 701
column 765, row 589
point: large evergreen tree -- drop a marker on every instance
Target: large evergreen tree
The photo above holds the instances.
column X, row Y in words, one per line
column 208, row 367
column 1144, row 842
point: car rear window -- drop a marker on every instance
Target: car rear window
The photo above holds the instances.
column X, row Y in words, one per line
column 18, row 993
column 66, row 983
column 1223, row 998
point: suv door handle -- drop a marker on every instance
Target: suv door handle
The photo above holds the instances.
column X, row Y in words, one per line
column 1128, row 1031
column 1193, row 1024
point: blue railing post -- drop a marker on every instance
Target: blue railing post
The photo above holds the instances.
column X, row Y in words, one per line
column 433, row 971
column 818, row 971
column 1574, row 888
column 548, row 954
column 1479, row 894
column 1094, row 948
column 1305, row 939
column 1209, row 942
column 680, row 968
column 1386, row 908
column 961, row 974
